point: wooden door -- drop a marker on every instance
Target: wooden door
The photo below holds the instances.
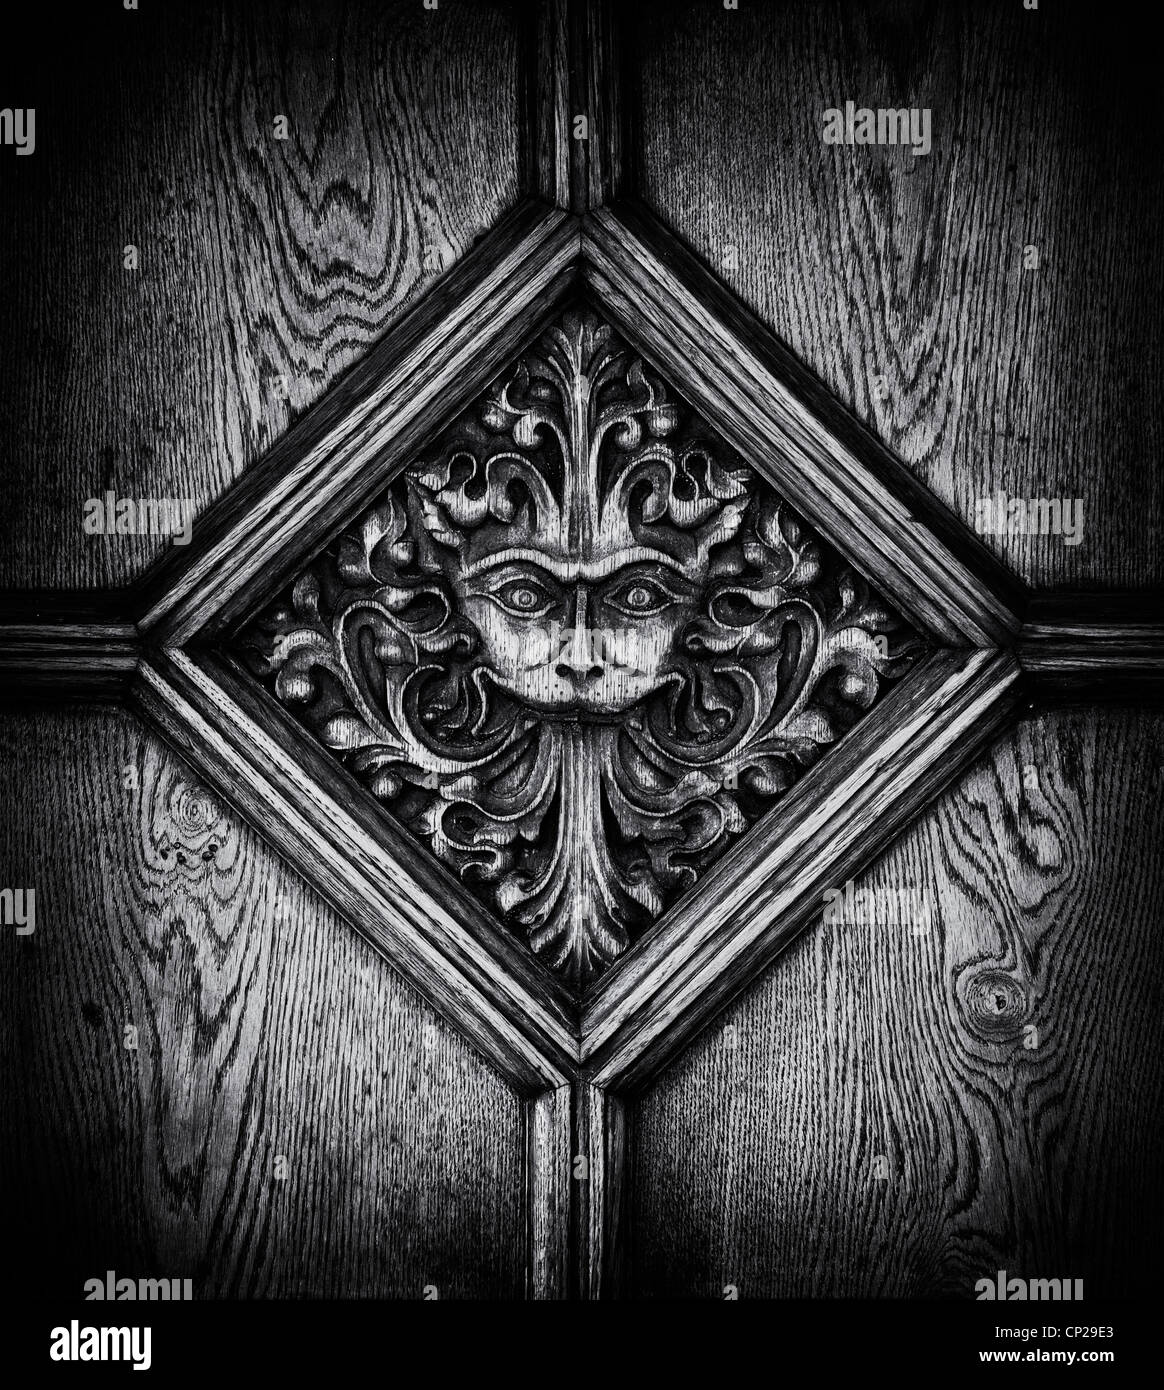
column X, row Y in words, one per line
column 792, row 931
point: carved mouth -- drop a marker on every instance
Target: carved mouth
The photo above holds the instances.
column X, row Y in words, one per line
column 573, row 706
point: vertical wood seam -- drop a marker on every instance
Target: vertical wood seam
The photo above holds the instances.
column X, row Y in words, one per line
column 579, row 62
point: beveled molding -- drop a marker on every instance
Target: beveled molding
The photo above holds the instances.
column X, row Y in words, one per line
column 578, row 1064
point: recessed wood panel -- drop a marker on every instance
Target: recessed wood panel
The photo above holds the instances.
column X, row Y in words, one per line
column 267, row 265
column 900, row 279
column 900, row 1110
column 265, row 1028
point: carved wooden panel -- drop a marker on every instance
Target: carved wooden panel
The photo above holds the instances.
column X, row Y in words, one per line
column 571, row 640
column 579, row 646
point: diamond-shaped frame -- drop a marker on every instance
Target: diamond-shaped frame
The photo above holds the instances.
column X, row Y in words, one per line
column 560, row 923
column 252, row 544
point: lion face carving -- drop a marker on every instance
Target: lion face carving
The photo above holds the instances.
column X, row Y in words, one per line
column 579, row 646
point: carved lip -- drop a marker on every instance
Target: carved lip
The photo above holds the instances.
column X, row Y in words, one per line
column 557, row 715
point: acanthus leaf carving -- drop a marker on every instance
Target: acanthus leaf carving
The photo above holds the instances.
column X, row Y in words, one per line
column 579, row 646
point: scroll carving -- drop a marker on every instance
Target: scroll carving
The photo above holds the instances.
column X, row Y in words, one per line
column 579, row 647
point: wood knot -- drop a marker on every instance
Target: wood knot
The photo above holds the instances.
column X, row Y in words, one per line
column 995, row 1004
column 196, row 829
column 195, row 811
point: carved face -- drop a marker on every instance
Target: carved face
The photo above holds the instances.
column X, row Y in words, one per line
column 569, row 639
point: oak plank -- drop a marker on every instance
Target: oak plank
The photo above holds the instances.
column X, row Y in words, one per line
column 1093, row 646
column 548, row 1141
column 260, row 258
column 899, row 281
column 266, row 1027
column 755, row 1159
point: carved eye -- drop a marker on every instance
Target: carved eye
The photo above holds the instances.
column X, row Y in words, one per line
column 639, row 597
column 524, row 596
column 522, row 591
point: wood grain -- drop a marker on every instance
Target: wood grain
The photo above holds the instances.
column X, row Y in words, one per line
column 71, row 646
column 760, row 894
column 341, row 453
column 549, row 1122
column 1093, row 646
column 765, row 404
column 579, row 58
column 552, row 177
column 259, row 258
column 599, row 1192
column 387, row 886
column 755, row 1157
column 598, row 82
column 266, row 1027
column 899, row 280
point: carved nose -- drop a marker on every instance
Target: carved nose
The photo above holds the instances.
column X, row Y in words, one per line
column 581, row 653
column 578, row 660
column 578, row 672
